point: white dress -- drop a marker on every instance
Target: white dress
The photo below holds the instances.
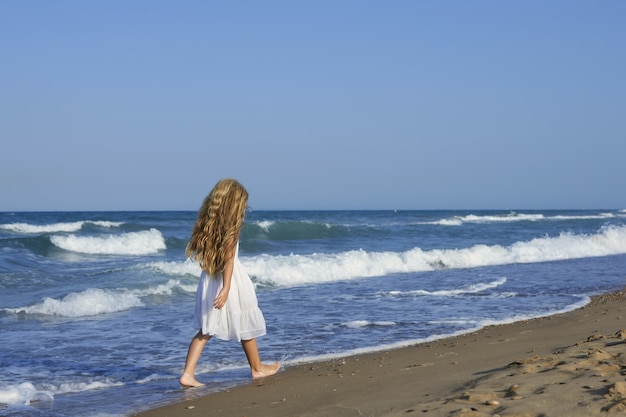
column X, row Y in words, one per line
column 240, row 318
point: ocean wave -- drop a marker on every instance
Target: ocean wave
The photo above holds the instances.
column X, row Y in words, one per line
column 584, row 300
column 292, row 230
column 294, row 270
column 152, row 378
column 91, row 302
column 291, row 270
column 307, row 229
column 514, row 217
column 25, row 393
column 96, row 301
column 359, row 324
column 68, row 227
column 473, row 218
column 134, row 243
column 473, row 326
column 599, row 216
column 68, row 387
column 185, row 268
column 469, row 289
column 264, row 224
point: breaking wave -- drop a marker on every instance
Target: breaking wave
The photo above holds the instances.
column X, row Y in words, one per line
column 96, row 301
column 290, row 270
column 68, row 227
column 134, row 243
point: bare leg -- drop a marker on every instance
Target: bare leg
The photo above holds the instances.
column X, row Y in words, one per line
column 256, row 367
column 188, row 378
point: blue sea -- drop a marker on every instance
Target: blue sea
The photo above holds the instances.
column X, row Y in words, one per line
column 96, row 307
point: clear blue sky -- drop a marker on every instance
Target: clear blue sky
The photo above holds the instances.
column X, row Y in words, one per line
column 131, row 105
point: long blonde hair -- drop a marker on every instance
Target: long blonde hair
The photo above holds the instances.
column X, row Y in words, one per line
column 217, row 228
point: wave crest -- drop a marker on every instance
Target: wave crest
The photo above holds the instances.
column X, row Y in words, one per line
column 469, row 289
column 134, row 243
column 96, row 301
column 359, row 324
column 91, row 302
column 515, row 217
column 23, row 394
column 293, row 270
column 291, row 230
column 26, row 392
column 68, row 227
column 289, row 270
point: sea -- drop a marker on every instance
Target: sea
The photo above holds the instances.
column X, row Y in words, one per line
column 96, row 308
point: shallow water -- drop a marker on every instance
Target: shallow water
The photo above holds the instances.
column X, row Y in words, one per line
column 96, row 308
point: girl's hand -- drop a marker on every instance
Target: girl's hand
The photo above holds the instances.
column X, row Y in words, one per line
column 220, row 299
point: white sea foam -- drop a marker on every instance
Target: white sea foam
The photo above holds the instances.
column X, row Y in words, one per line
column 136, row 243
column 23, row 394
column 65, row 388
column 96, row 301
column 588, row 217
column 454, row 221
column 514, row 217
column 162, row 289
column 90, row 302
column 293, row 270
column 26, row 393
column 180, row 269
column 391, row 346
column 290, row 270
column 469, row 289
column 265, row 224
column 153, row 377
column 68, row 227
column 185, row 268
column 472, row 218
column 513, row 319
column 359, row 324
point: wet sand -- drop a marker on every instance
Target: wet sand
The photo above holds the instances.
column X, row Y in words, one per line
column 572, row 364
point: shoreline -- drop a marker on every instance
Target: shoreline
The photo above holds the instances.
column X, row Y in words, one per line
column 565, row 364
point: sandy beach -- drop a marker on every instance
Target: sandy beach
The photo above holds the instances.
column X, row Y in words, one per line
column 571, row 364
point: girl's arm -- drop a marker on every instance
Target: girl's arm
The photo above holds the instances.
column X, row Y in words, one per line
column 222, row 296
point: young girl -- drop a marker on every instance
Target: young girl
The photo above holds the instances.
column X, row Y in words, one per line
column 226, row 303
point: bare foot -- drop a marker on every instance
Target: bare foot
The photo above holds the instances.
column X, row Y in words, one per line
column 266, row 370
column 188, row 381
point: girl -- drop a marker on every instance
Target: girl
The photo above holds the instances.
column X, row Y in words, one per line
column 226, row 303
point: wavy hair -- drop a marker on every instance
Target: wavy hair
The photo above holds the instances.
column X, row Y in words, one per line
column 217, row 228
